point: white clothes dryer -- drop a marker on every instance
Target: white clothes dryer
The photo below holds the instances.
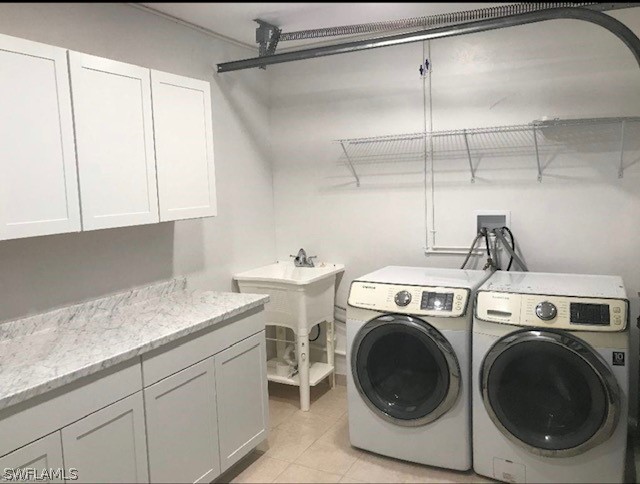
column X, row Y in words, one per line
column 408, row 360
column 550, row 378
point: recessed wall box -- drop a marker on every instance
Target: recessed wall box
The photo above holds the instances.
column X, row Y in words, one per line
column 492, row 219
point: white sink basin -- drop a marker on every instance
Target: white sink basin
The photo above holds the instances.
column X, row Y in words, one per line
column 300, row 297
column 285, row 272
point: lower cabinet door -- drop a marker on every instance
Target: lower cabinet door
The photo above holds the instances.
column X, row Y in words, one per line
column 241, row 387
column 182, row 426
column 31, row 462
column 109, row 445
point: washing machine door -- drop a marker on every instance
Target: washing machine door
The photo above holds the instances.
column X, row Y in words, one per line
column 405, row 370
column 550, row 392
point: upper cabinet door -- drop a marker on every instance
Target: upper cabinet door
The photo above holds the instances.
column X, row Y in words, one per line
column 38, row 178
column 184, row 146
column 114, row 136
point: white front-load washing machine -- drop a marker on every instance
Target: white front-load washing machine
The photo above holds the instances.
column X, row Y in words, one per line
column 550, row 378
column 408, row 360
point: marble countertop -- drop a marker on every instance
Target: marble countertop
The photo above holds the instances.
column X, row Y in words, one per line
column 47, row 351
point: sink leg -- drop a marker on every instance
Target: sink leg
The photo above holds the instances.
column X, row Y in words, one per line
column 330, row 352
column 303, row 370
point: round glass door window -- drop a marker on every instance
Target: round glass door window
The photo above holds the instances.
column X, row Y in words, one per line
column 405, row 370
column 550, row 391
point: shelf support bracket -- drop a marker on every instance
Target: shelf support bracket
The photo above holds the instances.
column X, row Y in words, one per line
column 621, row 167
column 535, row 144
column 466, row 144
column 351, row 167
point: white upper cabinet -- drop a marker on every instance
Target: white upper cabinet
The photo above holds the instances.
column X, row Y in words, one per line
column 131, row 160
column 114, row 136
column 38, row 180
column 184, row 146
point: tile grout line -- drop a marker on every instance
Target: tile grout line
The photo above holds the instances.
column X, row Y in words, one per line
column 282, row 471
column 318, row 440
column 316, row 470
column 262, row 455
column 352, row 464
column 334, row 424
column 312, row 417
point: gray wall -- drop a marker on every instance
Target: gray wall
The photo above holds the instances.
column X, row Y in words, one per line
column 40, row 273
column 580, row 219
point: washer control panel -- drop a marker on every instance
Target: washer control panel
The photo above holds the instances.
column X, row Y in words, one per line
column 562, row 312
column 447, row 302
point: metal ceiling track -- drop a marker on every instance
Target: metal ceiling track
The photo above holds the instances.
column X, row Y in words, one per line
column 439, row 20
column 268, row 35
column 586, row 13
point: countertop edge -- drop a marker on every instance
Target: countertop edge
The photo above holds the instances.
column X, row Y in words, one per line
column 71, row 377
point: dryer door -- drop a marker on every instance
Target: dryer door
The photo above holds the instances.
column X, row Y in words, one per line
column 405, row 370
column 549, row 392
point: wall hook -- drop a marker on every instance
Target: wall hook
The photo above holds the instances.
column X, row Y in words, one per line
column 424, row 68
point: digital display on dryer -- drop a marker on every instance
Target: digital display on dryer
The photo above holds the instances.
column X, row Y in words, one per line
column 582, row 313
column 437, row 301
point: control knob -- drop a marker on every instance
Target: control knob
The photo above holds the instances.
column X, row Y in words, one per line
column 403, row 298
column 546, row 311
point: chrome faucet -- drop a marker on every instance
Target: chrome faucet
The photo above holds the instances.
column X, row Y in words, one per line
column 301, row 260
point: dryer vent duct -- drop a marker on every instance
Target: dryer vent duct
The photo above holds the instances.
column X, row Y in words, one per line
column 577, row 13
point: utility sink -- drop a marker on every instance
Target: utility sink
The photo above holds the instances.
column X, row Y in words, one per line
column 299, row 299
column 285, row 272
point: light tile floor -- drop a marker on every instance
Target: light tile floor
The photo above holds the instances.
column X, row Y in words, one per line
column 314, row 447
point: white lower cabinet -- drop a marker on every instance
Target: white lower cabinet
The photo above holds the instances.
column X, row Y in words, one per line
column 28, row 463
column 242, row 397
column 182, row 426
column 109, row 445
column 205, row 407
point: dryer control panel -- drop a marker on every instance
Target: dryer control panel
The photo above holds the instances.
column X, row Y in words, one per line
column 445, row 302
column 562, row 312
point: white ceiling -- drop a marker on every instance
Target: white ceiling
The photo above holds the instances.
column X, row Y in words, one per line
column 235, row 20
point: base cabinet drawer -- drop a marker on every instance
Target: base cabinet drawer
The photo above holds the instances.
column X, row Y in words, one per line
column 28, row 463
column 182, row 426
column 242, row 395
column 109, row 445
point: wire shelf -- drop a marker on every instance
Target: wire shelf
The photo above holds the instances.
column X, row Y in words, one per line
column 535, row 138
